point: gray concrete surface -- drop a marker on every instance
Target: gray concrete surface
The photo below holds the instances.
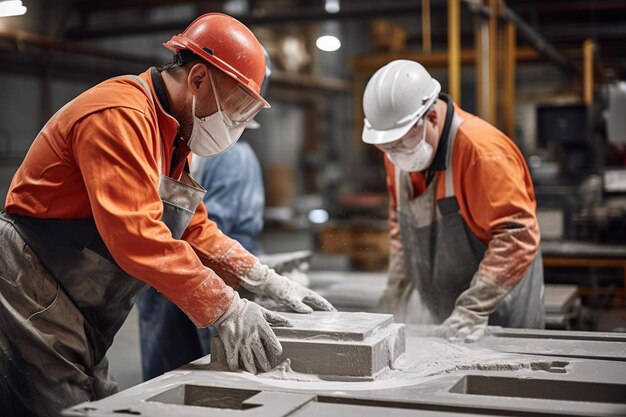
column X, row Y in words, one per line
column 496, row 384
column 125, row 354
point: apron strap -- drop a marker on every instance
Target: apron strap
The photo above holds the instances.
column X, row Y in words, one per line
column 404, row 187
column 456, row 122
column 146, row 87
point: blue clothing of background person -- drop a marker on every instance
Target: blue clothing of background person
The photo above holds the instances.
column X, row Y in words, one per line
column 235, row 195
column 234, row 200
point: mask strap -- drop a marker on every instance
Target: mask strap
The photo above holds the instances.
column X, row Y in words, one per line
column 217, row 99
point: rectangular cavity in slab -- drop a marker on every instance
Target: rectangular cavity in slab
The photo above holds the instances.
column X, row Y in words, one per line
column 545, row 389
column 335, row 325
column 202, row 396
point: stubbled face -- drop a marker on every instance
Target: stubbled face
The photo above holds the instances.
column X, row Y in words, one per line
column 199, row 85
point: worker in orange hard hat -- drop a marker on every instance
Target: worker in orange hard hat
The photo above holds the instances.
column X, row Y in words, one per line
column 103, row 206
column 234, row 200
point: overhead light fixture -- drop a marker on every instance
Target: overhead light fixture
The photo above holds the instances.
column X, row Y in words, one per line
column 236, row 7
column 12, row 8
column 331, row 6
column 318, row 216
column 328, row 43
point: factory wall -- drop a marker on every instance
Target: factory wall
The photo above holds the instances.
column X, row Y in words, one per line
column 279, row 143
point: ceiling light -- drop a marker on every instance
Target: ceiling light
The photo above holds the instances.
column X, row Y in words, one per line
column 318, row 216
column 328, row 43
column 331, row 6
column 12, row 8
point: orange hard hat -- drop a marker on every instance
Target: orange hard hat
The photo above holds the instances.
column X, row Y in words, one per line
column 228, row 45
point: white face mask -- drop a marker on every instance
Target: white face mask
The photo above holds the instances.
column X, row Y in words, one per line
column 212, row 135
column 416, row 159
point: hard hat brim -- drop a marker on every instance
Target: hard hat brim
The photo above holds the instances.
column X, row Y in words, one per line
column 373, row 136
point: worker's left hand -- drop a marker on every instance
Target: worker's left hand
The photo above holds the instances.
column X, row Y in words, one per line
column 265, row 282
column 463, row 326
column 468, row 320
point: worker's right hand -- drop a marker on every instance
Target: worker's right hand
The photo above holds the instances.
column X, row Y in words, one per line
column 245, row 331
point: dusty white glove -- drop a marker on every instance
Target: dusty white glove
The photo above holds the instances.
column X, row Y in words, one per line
column 245, row 331
column 264, row 281
column 470, row 316
column 298, row 275
column 463, row 326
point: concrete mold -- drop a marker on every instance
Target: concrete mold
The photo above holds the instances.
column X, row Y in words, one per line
column 433, row 378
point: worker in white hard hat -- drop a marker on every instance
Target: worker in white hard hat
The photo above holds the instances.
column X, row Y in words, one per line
column 464, row 248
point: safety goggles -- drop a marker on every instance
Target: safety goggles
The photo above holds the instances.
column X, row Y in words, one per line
column 236, row 104
column 406, row 142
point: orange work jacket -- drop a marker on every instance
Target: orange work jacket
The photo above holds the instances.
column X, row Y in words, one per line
column 97, row 157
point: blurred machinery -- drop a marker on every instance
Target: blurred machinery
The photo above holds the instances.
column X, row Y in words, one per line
column 580, row 183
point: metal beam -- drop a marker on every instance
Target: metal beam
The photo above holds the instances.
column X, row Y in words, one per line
column 275, row 17
column 538, row 41
column 17, row 41
column 531, row 35
column 90, row 6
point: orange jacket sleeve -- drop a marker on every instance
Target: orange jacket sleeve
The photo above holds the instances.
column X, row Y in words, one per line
column 115, row 150
column 499, row 200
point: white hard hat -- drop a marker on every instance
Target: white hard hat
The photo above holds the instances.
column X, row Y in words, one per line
column 396, row 97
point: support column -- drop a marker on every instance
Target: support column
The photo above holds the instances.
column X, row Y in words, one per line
column 493, row 63
column 510, row 50
column 454, row 49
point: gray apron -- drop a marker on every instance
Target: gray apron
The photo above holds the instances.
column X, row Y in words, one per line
column 62, row 300
column 441, row 255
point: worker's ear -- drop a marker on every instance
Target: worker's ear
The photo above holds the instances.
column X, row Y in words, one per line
column 432, row 117
column 198, row 76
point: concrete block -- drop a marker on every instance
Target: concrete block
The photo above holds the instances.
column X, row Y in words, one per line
column 334, row 345
column 333, row 325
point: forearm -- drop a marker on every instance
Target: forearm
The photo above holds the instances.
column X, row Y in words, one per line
column 217, row 251
column 511, row 251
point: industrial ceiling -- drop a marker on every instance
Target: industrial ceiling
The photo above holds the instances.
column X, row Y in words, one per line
column 67, row 24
